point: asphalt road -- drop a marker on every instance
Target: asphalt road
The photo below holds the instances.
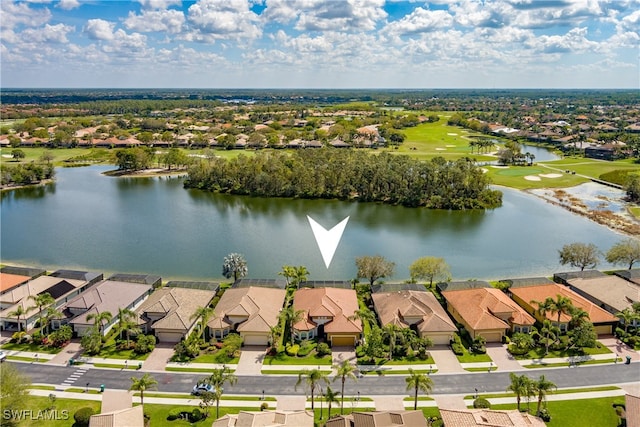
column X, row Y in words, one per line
column 590, row 375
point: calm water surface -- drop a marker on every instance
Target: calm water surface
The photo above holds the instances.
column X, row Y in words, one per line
column 153, row 225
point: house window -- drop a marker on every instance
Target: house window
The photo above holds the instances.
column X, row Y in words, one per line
column 563, row 327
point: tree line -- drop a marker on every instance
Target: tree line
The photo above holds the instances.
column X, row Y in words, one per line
column 349, row 175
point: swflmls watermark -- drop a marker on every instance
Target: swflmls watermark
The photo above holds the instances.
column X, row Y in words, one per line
column 31, row 415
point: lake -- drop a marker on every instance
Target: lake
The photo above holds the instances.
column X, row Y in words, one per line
column 153, row 225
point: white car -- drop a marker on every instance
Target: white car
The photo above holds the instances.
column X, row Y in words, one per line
column 201, row 388
column 3, row 356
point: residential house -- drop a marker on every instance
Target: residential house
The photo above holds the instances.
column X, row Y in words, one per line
column 632, row 410
column 251, row 312
column 10, row 281
column 632, row 275
column 117, row 410
column 418, row 310
column 488, row 418
column 379, row 419
column 525, row 295
column 328, row 312
column 169, row 311
column 266, row 418
column 612, row 293
column 106, row 296
column 487, row 312
column 60, row 289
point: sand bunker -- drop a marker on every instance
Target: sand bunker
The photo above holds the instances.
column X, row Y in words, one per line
column 484, row 170
column 452, row 134
column 532, row 178
column 551, row 175
column 440, row 149
column 7, row 156
column 450, row 146
column 499, row 167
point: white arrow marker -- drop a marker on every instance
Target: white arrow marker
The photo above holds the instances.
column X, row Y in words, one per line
column 327, row 240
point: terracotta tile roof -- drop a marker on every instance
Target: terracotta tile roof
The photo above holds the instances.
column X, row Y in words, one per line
column 8, row 281
column 178, row 304
column 337, row 303
column 541, row 292
column 479, row 307
column 632, row 409
column 488, row 418
column 614, row 291
column 260, row 306
column 394, row 307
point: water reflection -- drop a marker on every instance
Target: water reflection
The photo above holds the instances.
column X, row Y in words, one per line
column 35, row 192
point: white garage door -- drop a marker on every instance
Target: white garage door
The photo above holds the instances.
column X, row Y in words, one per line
column 439, row 339
column 255, row 339
column 172, row 337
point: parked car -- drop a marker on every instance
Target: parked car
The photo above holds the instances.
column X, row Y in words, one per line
column 3, row 356
column 201, row 388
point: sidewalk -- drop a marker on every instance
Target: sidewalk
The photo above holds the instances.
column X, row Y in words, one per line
column 572, row 359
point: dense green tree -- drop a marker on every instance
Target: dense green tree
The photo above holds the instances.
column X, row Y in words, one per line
column 374, row 267
column 429, row 268
column 18, row 154
column 632, row 188
column 625, row 252
column 580, row 255
column 14, row 392
column 99, row 318
column 127, row 323
column 330, row 397
column 133, row 159
column 41, row 301
column 294, row 276
column 290, row 317
column 175, row 157
column 418, row 382
column 234, row 265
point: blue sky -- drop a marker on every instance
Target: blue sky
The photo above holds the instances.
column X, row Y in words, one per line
column 320, row 43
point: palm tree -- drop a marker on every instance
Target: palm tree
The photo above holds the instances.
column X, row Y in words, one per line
column 18, row 313
column 364, row 315
column 204, row 314
column 627, row 316
column 418, row 382
column 543, row 387
column 217, row 379
column 49, row 315
column 146, row 382
column 312, row 378
column 98, row 318
column 331, row 397
column 561, row 305
column 578, row 316
column 291, row 317
column 41, row 301
column 518, row 386
column 274, row 333
column 343, row 371
column 550, row 333
column 126, row 323
column 392, row 332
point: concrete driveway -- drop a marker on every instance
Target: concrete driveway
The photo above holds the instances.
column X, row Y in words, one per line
column 502, row 358
column 340, row 354
column 446, row 361
column 251, row 359
column 159, row 357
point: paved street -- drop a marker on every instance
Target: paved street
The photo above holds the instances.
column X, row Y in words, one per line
column 369, row 385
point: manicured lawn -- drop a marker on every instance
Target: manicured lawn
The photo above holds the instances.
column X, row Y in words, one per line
column 561, row 391
column 429, row 140
column 112, row 366
column 578, row 413
column 635, row 211
column 471, row 358
column 59, row 154
column 555, row 365
column 514, row 177
column 110, row 351
column 35, row 348
column 592, row 167
column 284, row 359
column 65, row 419
column 217, row 357
column 538, row 353
column 159, row 414
column 172, row 369
column 381, row 361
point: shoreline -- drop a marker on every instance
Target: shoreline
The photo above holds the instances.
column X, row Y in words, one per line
column 146, row 173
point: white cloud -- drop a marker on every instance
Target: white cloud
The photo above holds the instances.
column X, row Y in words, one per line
column 575, row 41
column 50, row 33
column 170, row 21
column 419, row 21
column 15, row 14
column 68, row 4
column 213, row 20
column 159, row 4
column 347, row 16
column 99, row 29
